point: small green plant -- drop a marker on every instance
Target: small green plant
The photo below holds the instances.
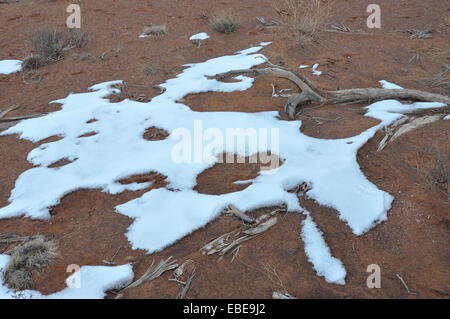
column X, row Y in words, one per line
column 224, row 23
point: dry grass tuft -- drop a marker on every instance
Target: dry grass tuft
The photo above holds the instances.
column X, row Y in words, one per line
column 27, row 258
column 76, row 39
column 50, row 45
column 440, row 80
column 437, row 174
column 303, row 19
column 155, row 30
column 33, row 61
column 224, row 23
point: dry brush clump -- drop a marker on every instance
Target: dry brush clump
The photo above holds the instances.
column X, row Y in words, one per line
column 155, row 30
column 224, row 23
column 440, row 80
column 438, row 175
column 50, row 45
column 27, row 258
column 303, row 19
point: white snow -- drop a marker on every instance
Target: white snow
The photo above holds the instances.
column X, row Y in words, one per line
column 303, row 66
column 314, row 69
column 10, row 66
column 319, row 254
column 447, row 117
column 163, row 216
column 200, row 36
column 388, row 85
column 94, row 281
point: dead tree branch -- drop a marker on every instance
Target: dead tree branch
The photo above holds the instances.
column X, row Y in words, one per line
column 310, row 93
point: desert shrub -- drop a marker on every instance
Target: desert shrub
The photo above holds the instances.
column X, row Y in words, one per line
column 30, row 256
column 76, row 38
column 440, row 79
column 435, row 174
column 303, row 19
column 33, row 61
column 224, row 23
column 439, row 173
column 155, row 30
column 50, row 44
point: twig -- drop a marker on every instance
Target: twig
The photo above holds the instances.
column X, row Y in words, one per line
column 405, row 285
column 177, row 281
column 115, row 254
column 187, row 286
column 111, row 261
column 235, row 252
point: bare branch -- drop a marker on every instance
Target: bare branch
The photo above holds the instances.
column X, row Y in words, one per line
column 310, row 93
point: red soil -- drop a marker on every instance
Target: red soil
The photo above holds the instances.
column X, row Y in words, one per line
column 412, row 243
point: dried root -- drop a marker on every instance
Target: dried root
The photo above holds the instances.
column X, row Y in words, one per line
column 232, row 241
column 154, row 272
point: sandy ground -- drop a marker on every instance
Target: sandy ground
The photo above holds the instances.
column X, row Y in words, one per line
column 413, row 243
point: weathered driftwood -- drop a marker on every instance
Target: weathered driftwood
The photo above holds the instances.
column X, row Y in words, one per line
column 282, row 295
column 180, row 270
column 216, row 245
column 186, row 286
column 230, row 241
column 236, row 212
column 154, row 272
column 310, row 93
column 403, row 126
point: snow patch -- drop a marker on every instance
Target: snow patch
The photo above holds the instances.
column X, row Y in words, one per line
column 319, row 254
column 314, row 69
column 10, row 66
column 199, row 36
column 388, row 85
column 163, row 216
column 94, row 282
